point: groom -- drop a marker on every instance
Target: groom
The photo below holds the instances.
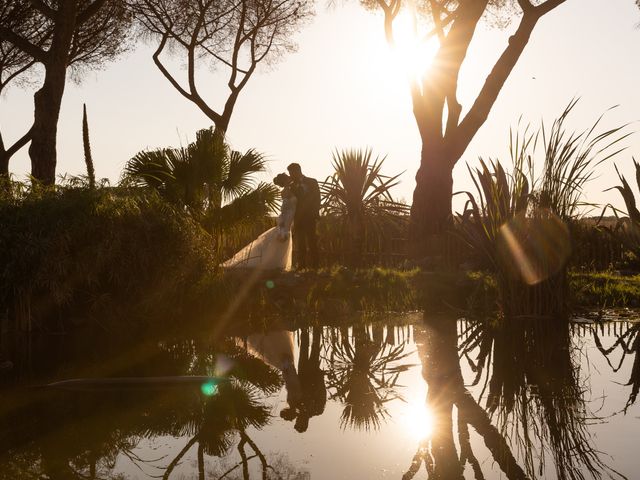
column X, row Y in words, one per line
column 305, row 239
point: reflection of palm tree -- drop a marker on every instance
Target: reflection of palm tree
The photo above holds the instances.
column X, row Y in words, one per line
column 629, row 343
column 225, row 416
column 61, row 435
column 364, row 373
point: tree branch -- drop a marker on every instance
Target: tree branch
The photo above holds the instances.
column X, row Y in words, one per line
column 165, row 72
column 547, row 6
column 12, row 75
column 178, row 457
column 526, row 5
column 494, row 82
column 23, row 44
column 440, row 84
column 390, row 12
column 437, row 20
column 90, row 11
column 43, row 8
column 21, row 142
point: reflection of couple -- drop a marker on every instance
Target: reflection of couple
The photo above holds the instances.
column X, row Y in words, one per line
column 300, row 208
column 306, row 390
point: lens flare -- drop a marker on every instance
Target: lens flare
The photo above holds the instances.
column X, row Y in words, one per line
column 536, row 248
column 209, row 389
column 222, row 366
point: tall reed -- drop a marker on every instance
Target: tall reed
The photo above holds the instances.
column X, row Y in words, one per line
column 519, row 221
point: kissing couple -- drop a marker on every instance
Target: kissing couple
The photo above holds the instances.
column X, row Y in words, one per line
column 295, row 232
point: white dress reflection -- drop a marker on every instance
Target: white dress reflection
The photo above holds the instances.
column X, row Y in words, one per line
column 306, row 389
column 276, row 349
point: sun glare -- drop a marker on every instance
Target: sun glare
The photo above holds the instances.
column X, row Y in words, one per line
column 413, row 54
column 417, row 420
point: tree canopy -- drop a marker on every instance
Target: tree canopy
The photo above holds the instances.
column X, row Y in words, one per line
column 230, row 35
column 60, row 34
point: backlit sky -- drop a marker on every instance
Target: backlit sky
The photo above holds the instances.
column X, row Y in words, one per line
column 343, row 89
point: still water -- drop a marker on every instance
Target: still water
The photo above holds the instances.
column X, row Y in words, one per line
column 401, row 398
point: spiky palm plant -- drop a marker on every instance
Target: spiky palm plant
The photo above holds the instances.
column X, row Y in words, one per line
column 360, row 195
column 627, row 230
column 208, row 179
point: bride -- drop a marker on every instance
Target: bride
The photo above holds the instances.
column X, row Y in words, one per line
column 272, row 249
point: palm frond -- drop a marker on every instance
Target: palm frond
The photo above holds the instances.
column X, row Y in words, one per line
column 241, row 168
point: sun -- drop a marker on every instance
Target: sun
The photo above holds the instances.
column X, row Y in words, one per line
column 413, row 54
column 417, row 420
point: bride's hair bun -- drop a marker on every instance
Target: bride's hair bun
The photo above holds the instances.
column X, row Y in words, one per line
column 281, row 179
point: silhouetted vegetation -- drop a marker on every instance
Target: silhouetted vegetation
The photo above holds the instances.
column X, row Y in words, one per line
column 444, row 132
column 519, row 224
column 358, row 196
column 74, row 34
column 234, row 36
column 77, row 255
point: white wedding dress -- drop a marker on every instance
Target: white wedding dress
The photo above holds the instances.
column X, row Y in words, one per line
column 272, row 249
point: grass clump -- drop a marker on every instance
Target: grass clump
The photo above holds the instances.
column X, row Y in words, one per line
column 604, row 289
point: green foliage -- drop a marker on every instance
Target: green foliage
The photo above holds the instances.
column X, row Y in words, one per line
column 360, row 195
column 213, row 183
column 97, row 253
column 604, row 289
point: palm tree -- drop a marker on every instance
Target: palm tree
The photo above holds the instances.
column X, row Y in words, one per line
column 209, row 180
column 360, row 196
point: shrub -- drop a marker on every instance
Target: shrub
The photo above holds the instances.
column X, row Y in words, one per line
column 76, row 253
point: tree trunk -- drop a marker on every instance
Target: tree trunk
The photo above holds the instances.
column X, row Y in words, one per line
column 4, row 165
column 47, row 102
column 431, row 208
column 48, row 99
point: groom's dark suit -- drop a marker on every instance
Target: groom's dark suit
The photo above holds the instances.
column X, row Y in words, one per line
column 305, row 239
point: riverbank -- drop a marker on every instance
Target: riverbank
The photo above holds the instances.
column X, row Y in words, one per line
column 341, row 291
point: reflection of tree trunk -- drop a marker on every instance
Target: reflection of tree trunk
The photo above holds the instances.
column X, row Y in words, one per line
column 474, row 415
column 243, row 456
column 200, row 461
column 466, row 454
column 437, row 342
column 263, row 460
column 437, row 345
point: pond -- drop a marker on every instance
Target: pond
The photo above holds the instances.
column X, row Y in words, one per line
column 400, row 397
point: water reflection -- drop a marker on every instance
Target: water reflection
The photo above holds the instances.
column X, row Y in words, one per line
column 627, row 341
column 363, row 371
column 535, row 393
column 457, row 393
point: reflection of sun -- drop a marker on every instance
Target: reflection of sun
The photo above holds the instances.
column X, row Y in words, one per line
column 413, row 54
column 417, row 420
